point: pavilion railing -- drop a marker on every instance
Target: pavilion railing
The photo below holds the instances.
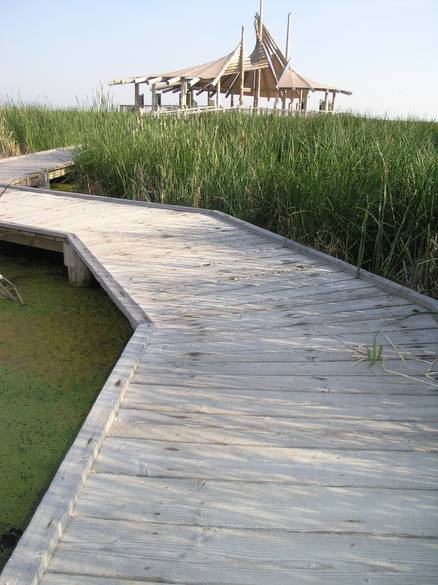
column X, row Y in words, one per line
column 183, row 112
column 176, row 111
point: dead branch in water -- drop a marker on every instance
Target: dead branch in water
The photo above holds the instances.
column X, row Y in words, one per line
column 9, row 291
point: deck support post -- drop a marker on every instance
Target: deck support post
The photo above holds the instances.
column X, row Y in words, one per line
column 43, row 180
column 79, row 274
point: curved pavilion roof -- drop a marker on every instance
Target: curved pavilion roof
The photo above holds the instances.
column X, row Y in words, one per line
column 224, row 74
column 291, row 80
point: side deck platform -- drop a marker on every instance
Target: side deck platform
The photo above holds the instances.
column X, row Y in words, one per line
column 244, row 437
column 36, row 169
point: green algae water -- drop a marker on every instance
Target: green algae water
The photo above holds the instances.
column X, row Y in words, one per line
column 56, row 353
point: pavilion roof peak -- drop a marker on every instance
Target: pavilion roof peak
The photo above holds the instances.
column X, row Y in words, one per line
column 276, row 76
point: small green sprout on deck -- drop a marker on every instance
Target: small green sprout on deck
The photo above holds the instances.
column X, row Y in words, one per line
column 374, row 352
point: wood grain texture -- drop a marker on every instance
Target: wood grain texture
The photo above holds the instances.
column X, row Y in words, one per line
column 292, row 508
column 332, row 467
column 208, row 554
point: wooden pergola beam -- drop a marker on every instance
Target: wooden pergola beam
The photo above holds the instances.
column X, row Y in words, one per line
column 154, row 80
column 173, row 80
column 206, row 87
column 193, row 81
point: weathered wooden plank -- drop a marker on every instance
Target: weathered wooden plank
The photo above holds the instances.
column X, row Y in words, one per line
column 292, row 404
column 348, row 326
column 266, row 506
column 412, row 470
column 238, row 429
column 299, row 337
column 351, row 367
column 326, row 348
column 278, row 293
column 300, row 578
column 189, row 554
column 65, row 579
column 390, row 384
column 257, row 352
column 323, row 303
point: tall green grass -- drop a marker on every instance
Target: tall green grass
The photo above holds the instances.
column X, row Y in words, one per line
column 41, row 127
column 362, row 189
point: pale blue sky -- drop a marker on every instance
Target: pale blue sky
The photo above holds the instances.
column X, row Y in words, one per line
column 385, row 51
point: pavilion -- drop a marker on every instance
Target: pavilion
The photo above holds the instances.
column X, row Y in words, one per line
column 265, row 73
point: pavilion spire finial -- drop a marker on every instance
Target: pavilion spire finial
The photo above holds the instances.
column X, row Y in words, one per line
column 287, row 54
column 261, row 20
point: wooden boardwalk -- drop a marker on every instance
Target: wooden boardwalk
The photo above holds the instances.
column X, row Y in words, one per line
column 250, row 441
column 35, row 169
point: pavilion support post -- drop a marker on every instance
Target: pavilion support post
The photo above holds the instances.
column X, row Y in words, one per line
column 137, row 97
column 183, row 95
column 326, row 102
column 257, row 88
column 305, row 97
column 301, row 100
column 242, row 68
column 218, row 93
column 333, row 101
column 232, row 100
column 154, row 97
column 283, row 101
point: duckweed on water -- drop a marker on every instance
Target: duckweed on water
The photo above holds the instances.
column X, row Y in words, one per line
column 55, row 355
